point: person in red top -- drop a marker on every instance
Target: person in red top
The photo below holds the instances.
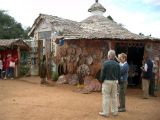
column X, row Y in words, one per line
column 10, row 68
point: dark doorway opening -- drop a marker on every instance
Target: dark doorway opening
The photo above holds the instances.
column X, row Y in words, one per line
column 134, row 53
column 135, row 58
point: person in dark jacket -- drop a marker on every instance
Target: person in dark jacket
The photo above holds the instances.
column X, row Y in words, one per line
column 110, row 74
column 152, row 82
column 43, row 70
column 146, row 76
column 123, row 78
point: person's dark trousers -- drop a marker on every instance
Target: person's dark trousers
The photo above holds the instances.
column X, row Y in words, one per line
column 10, row 72
column 122, row 90
column 152, row 86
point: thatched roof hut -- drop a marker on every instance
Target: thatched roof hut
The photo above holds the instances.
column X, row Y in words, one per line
column 90, row 40
column 19, row 50
column 93, row 27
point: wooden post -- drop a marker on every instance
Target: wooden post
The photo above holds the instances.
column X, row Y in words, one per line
column 48, row 57
column 40, row 53
column 17, row 69
column 110, row 45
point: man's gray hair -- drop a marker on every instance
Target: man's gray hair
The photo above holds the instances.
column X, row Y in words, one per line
column 111, row 54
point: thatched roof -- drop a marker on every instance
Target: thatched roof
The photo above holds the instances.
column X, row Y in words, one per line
column 10, row 43
column 94, row 27
column 98, row 26
column 67, row 27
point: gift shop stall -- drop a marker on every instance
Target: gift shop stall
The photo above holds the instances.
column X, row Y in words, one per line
column 19, row 51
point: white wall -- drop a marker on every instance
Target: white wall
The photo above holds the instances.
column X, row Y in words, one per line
column 45, row 25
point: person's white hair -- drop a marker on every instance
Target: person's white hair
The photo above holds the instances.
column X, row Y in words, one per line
column 111, row 54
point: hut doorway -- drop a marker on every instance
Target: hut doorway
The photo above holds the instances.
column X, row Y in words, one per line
column 134, row 53
column 135, row 58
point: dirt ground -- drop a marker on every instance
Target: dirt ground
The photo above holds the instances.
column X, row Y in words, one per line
column 26, row 99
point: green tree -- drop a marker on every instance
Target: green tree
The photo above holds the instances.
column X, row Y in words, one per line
column 110, row 18
column 9, row 28
column 26, row 31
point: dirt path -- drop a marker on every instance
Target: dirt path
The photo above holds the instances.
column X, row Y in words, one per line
column 26, row 99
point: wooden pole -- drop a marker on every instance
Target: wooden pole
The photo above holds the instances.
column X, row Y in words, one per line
column 40, row 53
column 48, row 57
column 17, row 69
column 110, row 45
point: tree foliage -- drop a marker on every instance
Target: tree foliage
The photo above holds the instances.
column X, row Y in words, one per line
column 110, row 18
column 9, row 28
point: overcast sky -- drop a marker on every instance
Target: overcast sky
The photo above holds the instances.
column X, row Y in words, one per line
column 135, row 15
